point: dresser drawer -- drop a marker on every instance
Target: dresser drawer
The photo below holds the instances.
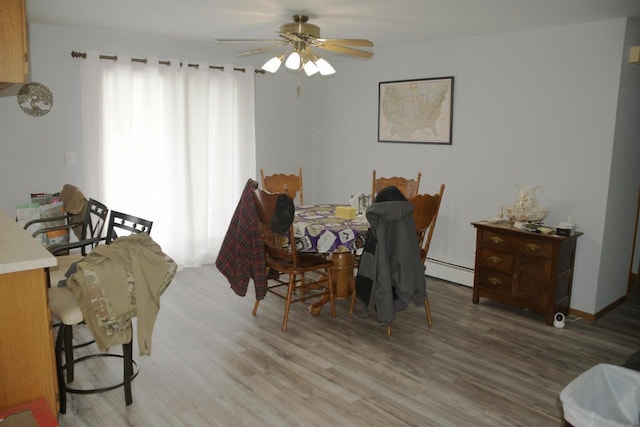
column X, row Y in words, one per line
column 493, row 259
column 516, row 243
column 535, row 247
column 494, row 281
column 496, row 240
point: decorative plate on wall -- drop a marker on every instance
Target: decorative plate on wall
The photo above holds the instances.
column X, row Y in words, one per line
column 35, row 99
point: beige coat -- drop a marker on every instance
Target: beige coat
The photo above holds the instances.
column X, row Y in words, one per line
column 118, row 282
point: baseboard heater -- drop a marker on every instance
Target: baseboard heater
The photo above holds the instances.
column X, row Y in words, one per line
column 449, row 271
column 451, row 265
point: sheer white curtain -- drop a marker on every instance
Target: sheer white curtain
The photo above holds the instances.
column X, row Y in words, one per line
column 173, row 144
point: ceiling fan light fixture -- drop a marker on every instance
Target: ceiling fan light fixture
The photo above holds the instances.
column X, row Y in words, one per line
column 273, row 64
column 299, row 38
column 293, row 61
column 310, row 68
column 324, row 67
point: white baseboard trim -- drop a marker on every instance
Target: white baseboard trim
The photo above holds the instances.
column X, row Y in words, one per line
column 449, row 272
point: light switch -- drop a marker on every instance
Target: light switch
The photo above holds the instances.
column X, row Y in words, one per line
column 71, row 158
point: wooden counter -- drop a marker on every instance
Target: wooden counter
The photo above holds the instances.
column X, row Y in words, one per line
column 27, row 361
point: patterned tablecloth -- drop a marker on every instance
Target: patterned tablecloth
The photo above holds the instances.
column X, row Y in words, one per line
column 317, row 229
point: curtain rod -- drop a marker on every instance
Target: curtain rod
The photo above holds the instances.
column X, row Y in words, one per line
column 83, row 55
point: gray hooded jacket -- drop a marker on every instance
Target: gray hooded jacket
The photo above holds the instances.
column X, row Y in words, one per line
column 398, row 268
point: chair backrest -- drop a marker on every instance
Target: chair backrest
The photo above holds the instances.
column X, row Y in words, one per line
column 95, row 218
column 89, row 233
column 276, row 245
column 121, row 224
column 425, row 213
column 291, row 185
column 408, row 186
column 75, row 204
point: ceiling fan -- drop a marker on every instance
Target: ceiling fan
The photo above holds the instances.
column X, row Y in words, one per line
column 301, row 37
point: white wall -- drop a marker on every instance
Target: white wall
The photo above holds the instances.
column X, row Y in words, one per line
column 623, row 182
column 283, row 123
column 536, row 108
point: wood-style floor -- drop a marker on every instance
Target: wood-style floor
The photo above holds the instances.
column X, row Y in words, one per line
column 214, row 364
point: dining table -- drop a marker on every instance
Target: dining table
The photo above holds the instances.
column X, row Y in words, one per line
column 317, row 229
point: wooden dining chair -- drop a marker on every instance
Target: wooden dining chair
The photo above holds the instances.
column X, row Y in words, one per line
column 291, row 184
column 425, row 214
column 409, row 187
column 284, row 259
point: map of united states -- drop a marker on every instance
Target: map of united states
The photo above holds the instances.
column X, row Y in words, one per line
column 415, row 111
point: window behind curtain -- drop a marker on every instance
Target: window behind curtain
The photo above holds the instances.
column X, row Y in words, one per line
column 171, row 144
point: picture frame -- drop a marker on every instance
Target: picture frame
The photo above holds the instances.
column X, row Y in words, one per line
column 418, row 111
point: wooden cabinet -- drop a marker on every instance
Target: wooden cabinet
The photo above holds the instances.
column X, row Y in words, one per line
column 27, row 359
column 524, row 269
column 14, row 63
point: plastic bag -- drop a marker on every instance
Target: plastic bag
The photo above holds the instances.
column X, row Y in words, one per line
column 603, row 396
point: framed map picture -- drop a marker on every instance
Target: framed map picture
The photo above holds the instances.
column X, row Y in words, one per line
column 416, row 111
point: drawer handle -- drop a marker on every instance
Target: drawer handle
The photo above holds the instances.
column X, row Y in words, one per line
column 495, row 259
column 497, row 240
column 533, row 247
column 494, row 281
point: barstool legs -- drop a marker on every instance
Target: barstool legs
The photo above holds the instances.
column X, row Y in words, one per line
column 64, row 345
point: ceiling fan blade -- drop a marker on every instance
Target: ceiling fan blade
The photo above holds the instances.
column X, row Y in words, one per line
column 345, row 50
column 291, row 37
column 261, row 49
column 348, row 42
column 247, row 40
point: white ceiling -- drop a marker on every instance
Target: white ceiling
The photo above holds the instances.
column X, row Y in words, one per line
column 384, row 22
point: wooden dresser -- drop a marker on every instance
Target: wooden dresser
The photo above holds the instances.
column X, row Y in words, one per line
column 27, row 360
column 524, row 269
